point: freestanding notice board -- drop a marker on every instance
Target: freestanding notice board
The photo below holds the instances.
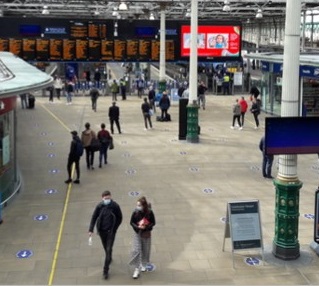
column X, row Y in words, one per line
column 243, row 225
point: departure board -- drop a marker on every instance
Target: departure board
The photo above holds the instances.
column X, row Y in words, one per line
column 170, row 50
column 81, row 50
column 132, row 50
column 155, row 50
column 42, row 49
column 4, row 45
column 107, row 50
column 79, row 30
column 56, row 48
column 28, row 49
column 97, row 31
column 144, row 50
column 68, row 50
column 119, row 50
column 15, row 47
column 94, row 53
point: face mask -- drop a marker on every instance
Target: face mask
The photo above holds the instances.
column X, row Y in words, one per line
column 139, row 208
column 106, row 201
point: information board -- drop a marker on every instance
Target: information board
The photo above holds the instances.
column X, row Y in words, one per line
column 144, row 51
column 4, row 45
column 170, row 50
column 68, row 50
column 119, row 50
column 97, row 31
column 42, row 49
column 56, row 49
column 94, row 52
column 244, row 223
column 81, row 50
column 79, row 30
column 155, row 50
column 132, row 50
column 107, row 50
column 15, row 47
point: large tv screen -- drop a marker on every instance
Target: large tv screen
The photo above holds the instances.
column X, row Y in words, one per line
column 213, row 41
column 292, row 135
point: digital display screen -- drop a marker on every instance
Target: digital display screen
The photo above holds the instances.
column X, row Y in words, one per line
column 30, row 30
column 292, row 135
column 146, row 31
column 213, row 41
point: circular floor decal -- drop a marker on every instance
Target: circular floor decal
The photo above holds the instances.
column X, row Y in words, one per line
column 130, row 172
column 208, row 191
column 51, row 191
column 134, row 194
column 193, row 169
column 309, row 216
column 252, row 261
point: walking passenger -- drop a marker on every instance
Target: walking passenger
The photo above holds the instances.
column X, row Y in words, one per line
column 105, row 138
column 86, row 138
column 114, row 116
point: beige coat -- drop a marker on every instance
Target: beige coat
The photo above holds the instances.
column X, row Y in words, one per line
column 87, row 136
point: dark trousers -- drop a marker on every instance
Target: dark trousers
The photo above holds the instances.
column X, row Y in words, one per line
column 107, row 239
column 164, row 114
column 51, row 95
column 94, row 100
column 123, row 93
column 77, row 167
column 58, row 93
column 267, row 165
column 103, row 153
column 117, row 125
column 238, row 119
column 147, row 117
column 242, row 115
column 89, row 156
column 226, row 88
column 256, row 118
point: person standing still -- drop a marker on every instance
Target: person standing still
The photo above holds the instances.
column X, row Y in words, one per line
column 142, row 222
column 94, row 93
column 151, row 98
column 107, row 217
column 58, row 85
column 69, row 92
column 201, row 94
column 164, row 105
column 123, row 88
column 236, row 115
column 105, row 138
column 268, row 159
column 86, row 138
column 114, row 90
column 146, row 113
column 243, row 109
column 255, row 110
column 73, row 158
column 114, row 116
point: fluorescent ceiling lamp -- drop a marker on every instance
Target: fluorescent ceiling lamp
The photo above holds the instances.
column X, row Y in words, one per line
column 115, row 13
column 45, row 10
column 97, row 13
column 123, row 6
column 188, row 13
column 226, row 8
column 152, row 16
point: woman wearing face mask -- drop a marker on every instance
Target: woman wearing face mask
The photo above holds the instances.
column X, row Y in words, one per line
column 142, row 222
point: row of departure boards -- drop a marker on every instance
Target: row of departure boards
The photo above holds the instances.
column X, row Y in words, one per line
column 87, row 49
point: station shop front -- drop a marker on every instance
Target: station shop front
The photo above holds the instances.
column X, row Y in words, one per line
column 270, row 83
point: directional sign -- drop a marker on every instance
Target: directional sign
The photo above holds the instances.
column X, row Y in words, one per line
column 150, row 267
column 309, row 216
column 51, row 191
column 130, row 172
column 134, row 194
column 54, row 171
column 255, row 168
column 25, row 253
column 182, row 153
column 41, row 217
column 208, row 191
column 252, row 261
column 193, row 169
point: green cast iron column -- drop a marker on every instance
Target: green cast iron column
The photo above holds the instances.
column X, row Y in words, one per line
column 161, row 86
column 192, row 123
column 285, row 244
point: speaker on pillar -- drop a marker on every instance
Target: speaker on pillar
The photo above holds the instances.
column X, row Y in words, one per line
column 182, row 118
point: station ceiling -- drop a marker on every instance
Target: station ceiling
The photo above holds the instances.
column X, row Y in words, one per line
column 241, row 10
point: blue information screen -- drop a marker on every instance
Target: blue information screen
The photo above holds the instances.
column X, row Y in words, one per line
column 292, row 135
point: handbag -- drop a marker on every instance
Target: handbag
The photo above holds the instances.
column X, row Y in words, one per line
column 95, row 144
column 151, row 112
column 111, row 145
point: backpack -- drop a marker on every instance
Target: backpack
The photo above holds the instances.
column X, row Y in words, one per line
column 79, row 148
column 106, row 219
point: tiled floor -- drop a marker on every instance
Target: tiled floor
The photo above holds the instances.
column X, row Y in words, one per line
column 188, row 184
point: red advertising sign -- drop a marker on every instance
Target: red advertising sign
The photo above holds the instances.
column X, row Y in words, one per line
column 213, row 41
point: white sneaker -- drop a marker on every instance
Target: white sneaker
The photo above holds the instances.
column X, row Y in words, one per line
column 143, row 268
column 256, row 127
column 240, row 128
column 232, row 127
column 136, row 273
column 145, row 129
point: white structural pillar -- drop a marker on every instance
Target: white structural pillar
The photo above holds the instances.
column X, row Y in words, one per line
column 286, row 244
column 162, row 66
column 192, row 108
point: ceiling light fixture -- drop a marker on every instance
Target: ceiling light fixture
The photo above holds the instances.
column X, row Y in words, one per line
column 188, row 13
column 115, row 13
column 1, row 12
column 226, row 7
column 45, row 10
column 259, row 14
column 96, row 12
column 152, row 16
column 123, row 6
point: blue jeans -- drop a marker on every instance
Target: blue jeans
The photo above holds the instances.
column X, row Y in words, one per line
column 267, row 164
column 103, row 152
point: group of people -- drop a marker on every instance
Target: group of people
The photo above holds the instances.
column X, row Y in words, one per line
column 107, row 217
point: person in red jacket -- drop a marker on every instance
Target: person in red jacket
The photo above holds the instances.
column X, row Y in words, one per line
column 243, row 109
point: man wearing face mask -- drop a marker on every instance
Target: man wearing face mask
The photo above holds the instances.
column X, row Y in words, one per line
column 107, row 217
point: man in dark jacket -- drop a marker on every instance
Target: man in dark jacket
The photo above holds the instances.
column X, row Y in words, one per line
column 267, row 159
column 94, row 93
column 74, row 157
column 114, row 115
column 107, row 217
column 146, row 113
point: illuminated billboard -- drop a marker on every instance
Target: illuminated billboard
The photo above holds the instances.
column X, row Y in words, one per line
column 213, row 41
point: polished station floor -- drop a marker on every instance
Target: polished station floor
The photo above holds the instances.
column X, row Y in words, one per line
column 44, row 239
